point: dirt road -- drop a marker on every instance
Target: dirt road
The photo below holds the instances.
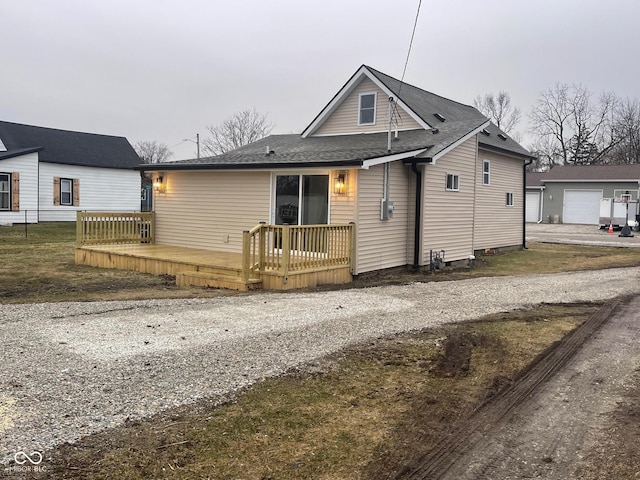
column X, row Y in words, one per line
column 551, row 431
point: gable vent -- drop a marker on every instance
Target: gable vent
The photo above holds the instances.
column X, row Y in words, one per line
column 2, row 147
column 503, row 136
column 439, row 117
column 485, row 132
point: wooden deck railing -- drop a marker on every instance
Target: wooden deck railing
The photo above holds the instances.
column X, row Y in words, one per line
column 94, row 228
column 287, row 248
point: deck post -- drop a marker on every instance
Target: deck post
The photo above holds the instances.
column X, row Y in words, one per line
column 79, row 228
column 352, row 245
column 286, row 249
column 152, row 228
column 246, row 255
column 262, row 246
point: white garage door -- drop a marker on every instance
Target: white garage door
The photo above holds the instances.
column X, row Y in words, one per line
column 533, row 207
column 581, row 206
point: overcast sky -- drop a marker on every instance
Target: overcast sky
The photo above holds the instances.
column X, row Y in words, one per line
column 165, row 69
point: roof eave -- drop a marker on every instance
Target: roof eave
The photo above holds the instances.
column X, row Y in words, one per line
column 505, row 151
column 19, row 152
column 392, row 157
column 154, row 167
column 460, row 141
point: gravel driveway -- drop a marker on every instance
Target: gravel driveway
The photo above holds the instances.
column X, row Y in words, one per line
column 579, row 235
column 72, row 369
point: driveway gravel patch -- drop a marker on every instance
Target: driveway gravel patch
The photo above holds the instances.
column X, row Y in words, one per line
column 73, row 369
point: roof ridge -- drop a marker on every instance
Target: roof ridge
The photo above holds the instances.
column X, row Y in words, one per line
column 59, row 129
column 373, row 70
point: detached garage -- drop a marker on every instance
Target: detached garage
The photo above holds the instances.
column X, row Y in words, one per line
column 534, row 197
column 533, row 210
column 582, row 206
column 572, row 194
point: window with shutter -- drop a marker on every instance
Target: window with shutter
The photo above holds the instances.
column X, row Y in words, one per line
column 5, row 191
column 66, row 191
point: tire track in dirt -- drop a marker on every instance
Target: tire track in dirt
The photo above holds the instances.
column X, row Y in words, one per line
column 492, row 417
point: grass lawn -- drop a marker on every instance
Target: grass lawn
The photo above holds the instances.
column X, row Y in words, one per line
column 363, row 413
column 40, row 267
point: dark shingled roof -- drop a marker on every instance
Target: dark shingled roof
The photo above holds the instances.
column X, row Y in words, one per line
column 352, row 150
column 459, row 119
column 66, row 147
column 293, row 150
column 593, row 173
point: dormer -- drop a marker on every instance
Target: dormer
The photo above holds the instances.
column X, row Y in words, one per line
column 362, row 106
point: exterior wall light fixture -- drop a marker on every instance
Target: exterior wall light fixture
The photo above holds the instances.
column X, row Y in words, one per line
column 340, row 185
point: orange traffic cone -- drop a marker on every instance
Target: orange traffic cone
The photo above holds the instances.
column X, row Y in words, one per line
column 610, row 228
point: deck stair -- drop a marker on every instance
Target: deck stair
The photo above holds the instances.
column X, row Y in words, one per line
column 192, row 278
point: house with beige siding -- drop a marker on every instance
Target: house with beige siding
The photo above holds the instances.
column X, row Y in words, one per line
column 418, row 179
column 415, row 173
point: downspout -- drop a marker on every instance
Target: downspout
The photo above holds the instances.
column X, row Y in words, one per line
column 418, row 215
column 524, row 203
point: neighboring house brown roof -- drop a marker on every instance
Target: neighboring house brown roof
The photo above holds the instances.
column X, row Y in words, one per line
column 534, row 179
column 446, row 123
column 593, row 173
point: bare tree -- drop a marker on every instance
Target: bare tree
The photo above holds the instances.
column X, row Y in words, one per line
column 499, row 110
column 238, row 130
column 150, row 151
column 627, row 130
column 571, row 128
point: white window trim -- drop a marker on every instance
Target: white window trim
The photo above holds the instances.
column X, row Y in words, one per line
column 487, row 172
column 70, row 180
column 455, row 182
column 375, row 108
column 509, row 196
column 8, row 192
column 272, row 195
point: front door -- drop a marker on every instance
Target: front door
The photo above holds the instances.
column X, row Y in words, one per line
column 302, row 199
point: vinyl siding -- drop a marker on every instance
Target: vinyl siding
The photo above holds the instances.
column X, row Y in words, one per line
column 211, row 209
column 345, row 118
column 27, row 167
column 382, row 243
column 496, row 224
column 448, row 215
column 101, row 189
column 343, row 208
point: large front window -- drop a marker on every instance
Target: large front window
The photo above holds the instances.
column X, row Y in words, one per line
column 5, row 191
column 302, row 199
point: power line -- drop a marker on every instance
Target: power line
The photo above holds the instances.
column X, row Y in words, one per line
column 413, row 33
column 404, row 71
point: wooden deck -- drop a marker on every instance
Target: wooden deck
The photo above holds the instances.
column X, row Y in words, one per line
column 276, row 257
column 201, row 267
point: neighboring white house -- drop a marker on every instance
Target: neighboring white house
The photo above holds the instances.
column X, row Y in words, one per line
column 48, row 174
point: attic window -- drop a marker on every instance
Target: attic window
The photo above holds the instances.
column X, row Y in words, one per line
column 2, row 147
column 485, row 132
column 367, row 109
column 439, row 117
column 503, row 136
